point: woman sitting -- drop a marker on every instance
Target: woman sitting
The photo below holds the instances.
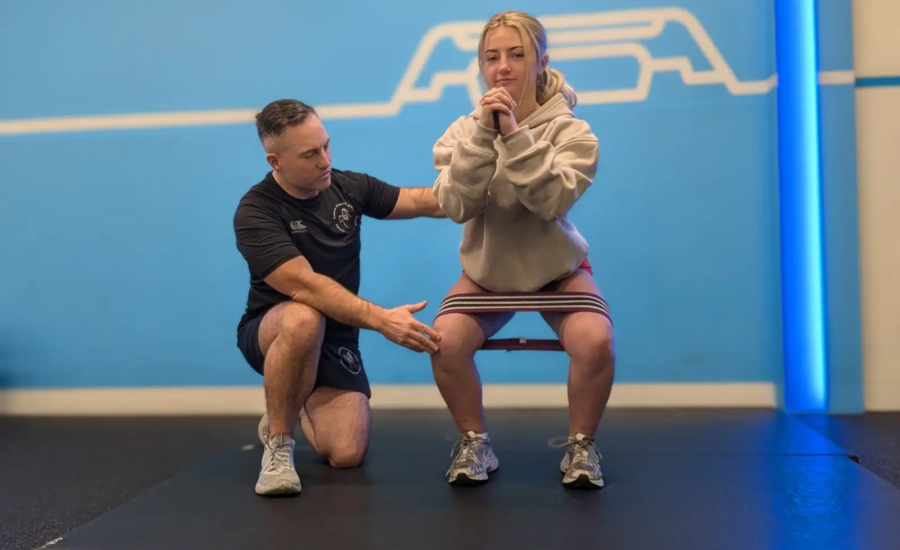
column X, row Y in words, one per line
column 512, row 186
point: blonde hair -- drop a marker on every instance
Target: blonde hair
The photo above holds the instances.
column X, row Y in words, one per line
column 549, row 81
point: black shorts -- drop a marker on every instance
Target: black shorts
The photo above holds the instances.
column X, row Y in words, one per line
column 340, row 364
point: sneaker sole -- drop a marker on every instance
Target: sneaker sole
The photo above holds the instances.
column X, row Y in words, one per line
column 463, row 480
column 583, row 482
column 281, row 490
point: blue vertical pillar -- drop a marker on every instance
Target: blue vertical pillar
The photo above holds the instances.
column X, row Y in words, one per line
column 800, row 194
column 818, row 198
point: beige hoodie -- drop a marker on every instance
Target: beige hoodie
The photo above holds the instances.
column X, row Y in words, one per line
column 513, row 193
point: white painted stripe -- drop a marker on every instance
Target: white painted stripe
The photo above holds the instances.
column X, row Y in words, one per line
column 174, row 119
column 836, row 77
column 129, row 121
column 249, row 400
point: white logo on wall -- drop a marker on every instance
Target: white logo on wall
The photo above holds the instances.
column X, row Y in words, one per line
column 350, row 360
column 345, row 218
column 571, row 37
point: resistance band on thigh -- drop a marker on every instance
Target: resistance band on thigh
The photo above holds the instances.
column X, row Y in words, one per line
column 506, row 302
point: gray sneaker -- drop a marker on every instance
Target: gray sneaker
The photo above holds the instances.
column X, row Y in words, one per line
column 263, row 429
column 474, row 461
column 581, row 463
column 278, row 476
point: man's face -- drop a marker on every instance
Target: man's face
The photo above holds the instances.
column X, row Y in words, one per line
column 302, row 156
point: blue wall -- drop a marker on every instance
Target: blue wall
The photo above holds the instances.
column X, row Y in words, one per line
column 119, row 266
column 837, row 107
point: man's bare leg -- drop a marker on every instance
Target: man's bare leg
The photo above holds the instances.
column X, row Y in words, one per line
column 337, row 425
column 336, row 422
column 290, row 337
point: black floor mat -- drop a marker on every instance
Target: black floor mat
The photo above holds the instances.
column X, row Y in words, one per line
column 873, row 437
column 675, row 479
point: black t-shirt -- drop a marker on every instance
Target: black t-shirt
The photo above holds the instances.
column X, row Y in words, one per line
column 272, row 227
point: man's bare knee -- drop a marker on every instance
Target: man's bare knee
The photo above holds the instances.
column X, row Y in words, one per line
column 347, row 455
column 301, row 326
column 338, row 421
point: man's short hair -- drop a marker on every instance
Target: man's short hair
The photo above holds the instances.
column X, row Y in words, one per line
column 279, row 115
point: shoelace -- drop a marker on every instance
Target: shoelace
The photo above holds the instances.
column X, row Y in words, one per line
column 584, row 448
column 467, row 451
column 280, row 457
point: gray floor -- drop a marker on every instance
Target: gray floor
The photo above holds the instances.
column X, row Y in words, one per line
column 59, row 475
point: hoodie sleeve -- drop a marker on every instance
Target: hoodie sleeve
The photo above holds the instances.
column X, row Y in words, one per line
column 467, row 164
column 549, row 177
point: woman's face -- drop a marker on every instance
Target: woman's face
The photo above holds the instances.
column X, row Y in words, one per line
column 505, row 64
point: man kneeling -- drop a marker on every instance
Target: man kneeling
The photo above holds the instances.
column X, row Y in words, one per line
column 299, row 231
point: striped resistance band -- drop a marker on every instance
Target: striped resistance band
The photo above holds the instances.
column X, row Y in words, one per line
column 511, row 302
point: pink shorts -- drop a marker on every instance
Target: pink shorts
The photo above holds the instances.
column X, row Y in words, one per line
column 586, row 265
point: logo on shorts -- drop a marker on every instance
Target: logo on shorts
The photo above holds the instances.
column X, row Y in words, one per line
column 345, row 218
column 350, row 360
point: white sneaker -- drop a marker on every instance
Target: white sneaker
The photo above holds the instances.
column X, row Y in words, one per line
column 581, row 463
column 263, row 429
column 475, row 460
column 278, row 476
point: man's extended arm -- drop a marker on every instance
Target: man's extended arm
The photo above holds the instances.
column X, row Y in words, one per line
column 296, row 278
column 270, row 252
column 416, row 202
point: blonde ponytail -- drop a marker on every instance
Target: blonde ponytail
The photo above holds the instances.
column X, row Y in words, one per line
column 551, row 82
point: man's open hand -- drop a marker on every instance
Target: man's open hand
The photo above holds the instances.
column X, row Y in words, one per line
column 399, row 326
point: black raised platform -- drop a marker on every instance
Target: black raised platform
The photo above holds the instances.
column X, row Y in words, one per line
column 675, row 480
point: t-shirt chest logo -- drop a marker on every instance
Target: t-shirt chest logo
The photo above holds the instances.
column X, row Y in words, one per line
column 297, row 226
column 345, row 218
